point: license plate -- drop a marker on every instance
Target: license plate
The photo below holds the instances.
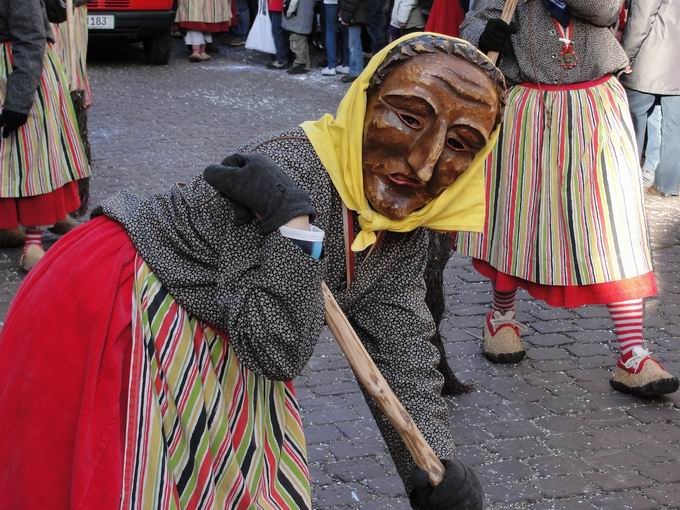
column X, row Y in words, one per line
column 95, row 22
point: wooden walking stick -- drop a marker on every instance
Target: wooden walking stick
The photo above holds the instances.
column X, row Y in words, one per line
column 506, row 15
column 372, row 380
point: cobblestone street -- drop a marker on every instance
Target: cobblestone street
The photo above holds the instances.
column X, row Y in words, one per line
column 548, row 433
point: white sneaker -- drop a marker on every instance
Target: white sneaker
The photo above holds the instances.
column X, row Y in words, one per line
column 342, row 69
column 327, row 71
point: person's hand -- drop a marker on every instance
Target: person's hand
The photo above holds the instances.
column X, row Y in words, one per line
column 11, row 121
column 496, row 36
column 257, row 186
column 459, row 489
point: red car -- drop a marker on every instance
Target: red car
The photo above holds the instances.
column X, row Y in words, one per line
column 148, row 21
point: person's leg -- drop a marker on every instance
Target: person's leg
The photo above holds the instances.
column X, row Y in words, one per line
column 502, row 341
column 33, row 250
column 376, row 25
column 331, row 35
column 279, row 37
column 636, row 371
column 207, row 38
column 640, row 105
column 652, row 150
column 344, row 67
column 356, row 56
column 298, row 44
column 243, row 22
column 195, row 39
column 667, row 177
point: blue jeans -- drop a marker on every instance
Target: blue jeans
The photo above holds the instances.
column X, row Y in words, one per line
column 243, row 23
column 331, row 11
column 653, row 146
column 376, row 24
column 667, row 176
column 279, row 37
column 356, row 51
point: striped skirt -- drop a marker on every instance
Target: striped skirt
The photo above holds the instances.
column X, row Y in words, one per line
column 46, row 153
column 203, row 431
column 81, row 81
column 564, row 191
column 204, row 15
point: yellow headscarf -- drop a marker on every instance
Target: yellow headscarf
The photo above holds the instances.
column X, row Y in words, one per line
column 338, row 142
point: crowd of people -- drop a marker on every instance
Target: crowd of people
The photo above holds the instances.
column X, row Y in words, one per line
column 169, row 349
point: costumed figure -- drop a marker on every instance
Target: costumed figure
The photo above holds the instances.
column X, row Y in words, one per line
column 81, row 92
column 167, row 382
column 41, row 152
column 202, row 19
column 565, row 217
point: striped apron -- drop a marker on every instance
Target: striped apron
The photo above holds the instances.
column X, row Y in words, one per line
column 203, row 431
column 564, row 190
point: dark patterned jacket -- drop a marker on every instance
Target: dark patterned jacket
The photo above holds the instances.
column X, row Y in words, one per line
column 536, row 47
column 265, row 291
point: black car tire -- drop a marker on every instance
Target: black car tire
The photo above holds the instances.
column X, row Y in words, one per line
column 157, row 49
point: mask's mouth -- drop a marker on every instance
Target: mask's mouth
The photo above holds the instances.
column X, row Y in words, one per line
column 404, row 180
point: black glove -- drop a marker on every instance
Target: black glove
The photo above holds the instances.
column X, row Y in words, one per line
column 496, row 36
column 459, row 489
column 11, row 121
column 257, row 186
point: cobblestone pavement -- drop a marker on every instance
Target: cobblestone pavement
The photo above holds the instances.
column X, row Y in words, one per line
column 548, row 433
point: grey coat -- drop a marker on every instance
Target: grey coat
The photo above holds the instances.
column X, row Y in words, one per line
column 25, row 24
column 536, row 47
column 301, row 22
column 652, row 42
column 265, row 291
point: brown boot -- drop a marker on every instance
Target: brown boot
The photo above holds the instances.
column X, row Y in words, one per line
column 14, row 238
column 502, row 343
column 641, row 375
column 31, row 256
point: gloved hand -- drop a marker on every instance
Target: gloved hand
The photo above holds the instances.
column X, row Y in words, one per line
column 257, row 186
column 459, row 489
column 496, row 36
column 11, row 121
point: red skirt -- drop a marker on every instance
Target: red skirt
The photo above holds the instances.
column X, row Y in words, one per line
column 40, row 210
column 199, row 26
column 64, row 364
column 571, row 296
column 445, row 18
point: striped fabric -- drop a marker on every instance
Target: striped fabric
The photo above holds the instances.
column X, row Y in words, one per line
column 203, row 431
column 46, row 153
column 564, row 193
column 204, row 11
column 60, row 32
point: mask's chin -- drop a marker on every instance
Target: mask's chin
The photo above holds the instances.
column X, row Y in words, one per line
column 388, row 206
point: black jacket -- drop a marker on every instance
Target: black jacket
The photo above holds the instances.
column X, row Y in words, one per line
column 353, row 12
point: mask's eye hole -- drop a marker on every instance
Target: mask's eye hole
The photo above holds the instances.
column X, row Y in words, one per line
column 456, row 145
column 410, row 120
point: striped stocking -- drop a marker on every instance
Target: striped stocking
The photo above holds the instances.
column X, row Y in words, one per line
column 504, row 301
column 627, row 317
column 33, row 238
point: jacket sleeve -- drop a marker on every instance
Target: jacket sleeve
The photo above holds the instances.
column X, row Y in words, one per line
column 475, row 20
column 402, row 10
column 395, row 325
column 641, row 18
column 26, row 22
column 274, row 311
column 348, row 10
column 600, row 12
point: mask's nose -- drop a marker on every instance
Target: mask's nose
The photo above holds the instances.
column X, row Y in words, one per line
column 425, row 152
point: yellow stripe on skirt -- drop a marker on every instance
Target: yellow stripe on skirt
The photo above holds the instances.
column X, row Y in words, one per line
column 60, row 32
column 564, row 190
column 45, row 153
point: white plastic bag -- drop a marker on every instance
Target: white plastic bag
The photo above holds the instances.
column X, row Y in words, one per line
column 260, row 37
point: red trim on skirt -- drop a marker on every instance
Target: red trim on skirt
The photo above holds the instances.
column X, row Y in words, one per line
column 567, row 86
column 205, row 27
column 64, row 366
column 40, row 210
column 571, row 296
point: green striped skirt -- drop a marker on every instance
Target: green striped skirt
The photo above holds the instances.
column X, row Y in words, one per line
column 564, row 190
column 46, row 153
column 203, row 431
